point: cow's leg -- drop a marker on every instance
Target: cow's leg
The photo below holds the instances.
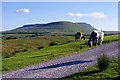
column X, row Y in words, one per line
column 96, row 42
column 101, row 42
column 91, row 43
column 75, row 39
column 80, row 38
column 84, row 38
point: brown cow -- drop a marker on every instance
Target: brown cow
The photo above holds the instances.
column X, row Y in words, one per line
column 79, row 36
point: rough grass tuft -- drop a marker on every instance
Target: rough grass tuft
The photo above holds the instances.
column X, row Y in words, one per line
column 103, row 62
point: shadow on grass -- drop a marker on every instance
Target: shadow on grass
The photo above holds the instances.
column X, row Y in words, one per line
column 63, row 64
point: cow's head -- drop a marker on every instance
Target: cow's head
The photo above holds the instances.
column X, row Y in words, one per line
column 83, row 37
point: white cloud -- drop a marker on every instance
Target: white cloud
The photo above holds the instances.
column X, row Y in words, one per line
column 98, row 15
column 94, row 14
column 79, row 15
column 23, row 11
column 71, row 14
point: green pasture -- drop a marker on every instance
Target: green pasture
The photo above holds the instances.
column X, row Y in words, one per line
column 27, row 58
column 13, row 46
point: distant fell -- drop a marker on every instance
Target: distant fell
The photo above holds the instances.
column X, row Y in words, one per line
column 54, row 27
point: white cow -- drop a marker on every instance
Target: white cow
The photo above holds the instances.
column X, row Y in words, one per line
column 95, row 37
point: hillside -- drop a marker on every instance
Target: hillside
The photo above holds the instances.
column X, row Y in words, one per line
column 61, row 26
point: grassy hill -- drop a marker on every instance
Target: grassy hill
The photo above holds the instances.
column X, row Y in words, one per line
column 61, row 26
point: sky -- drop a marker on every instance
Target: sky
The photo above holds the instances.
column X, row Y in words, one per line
column 101, row 15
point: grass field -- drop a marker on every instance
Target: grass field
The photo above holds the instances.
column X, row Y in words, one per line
column 13, row 46
column 27, row 58
column 94, row 73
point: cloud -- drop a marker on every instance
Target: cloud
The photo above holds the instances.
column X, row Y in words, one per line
column 71, row 14
column 94, row 14
column 23, row 11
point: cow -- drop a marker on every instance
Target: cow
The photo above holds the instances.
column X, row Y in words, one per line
column 95, row 38
column 79, row 36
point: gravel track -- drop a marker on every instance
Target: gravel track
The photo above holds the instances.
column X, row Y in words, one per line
column 64, row 66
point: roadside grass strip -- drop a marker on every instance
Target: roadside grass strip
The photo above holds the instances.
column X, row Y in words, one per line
column 91, row 73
